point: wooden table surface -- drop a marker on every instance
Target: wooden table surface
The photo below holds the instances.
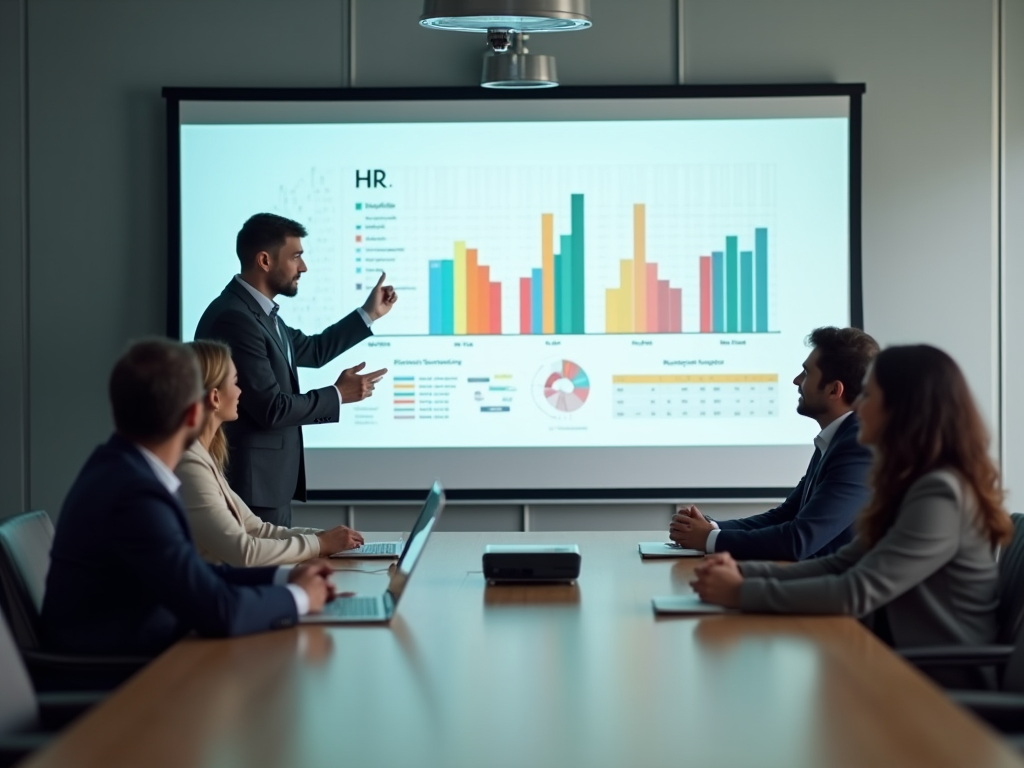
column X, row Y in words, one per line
column 472, row 675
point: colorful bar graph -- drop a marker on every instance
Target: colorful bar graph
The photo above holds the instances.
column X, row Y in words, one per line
column 463, row 298
column 734, row 287
column 642, row 303
column 561, row 274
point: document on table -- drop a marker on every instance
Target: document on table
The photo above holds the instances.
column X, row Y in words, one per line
column 666, row 549
column 686, row 604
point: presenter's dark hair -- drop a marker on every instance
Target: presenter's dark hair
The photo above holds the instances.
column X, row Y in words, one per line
column 931, row 423
column 844, row 355
column 264, row 232
column 151, row 388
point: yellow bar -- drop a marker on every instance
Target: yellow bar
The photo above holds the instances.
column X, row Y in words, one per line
column 700, row 378
column 611, row 310
column 639, row 269
column 460, row 286
column 547, row 249
column 626, row 296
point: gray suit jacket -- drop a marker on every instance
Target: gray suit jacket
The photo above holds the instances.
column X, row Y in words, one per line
column 266, row 466
column 933, row 571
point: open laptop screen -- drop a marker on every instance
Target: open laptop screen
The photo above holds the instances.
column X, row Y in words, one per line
column 421, row 529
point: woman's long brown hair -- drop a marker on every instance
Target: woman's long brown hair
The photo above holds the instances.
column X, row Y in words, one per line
column 214, row 357
column 932, row 423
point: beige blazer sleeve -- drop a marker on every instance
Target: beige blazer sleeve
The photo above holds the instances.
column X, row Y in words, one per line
column 225, row 529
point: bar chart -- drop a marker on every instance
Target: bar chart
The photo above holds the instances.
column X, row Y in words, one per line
column 734, row 287
column 463, row 298
column 551, row 299
column 642, row 303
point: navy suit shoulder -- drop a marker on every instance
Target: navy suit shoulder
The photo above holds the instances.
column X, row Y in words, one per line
column 818, row 517
column 125, row 577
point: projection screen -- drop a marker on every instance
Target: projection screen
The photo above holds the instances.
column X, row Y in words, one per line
column 602, row 292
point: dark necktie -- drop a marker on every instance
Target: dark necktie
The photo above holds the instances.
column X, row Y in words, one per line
column 277, row 328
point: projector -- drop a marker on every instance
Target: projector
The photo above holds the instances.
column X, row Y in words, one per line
column 505, row 563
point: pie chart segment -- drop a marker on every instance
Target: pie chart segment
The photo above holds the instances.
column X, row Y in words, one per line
column 564, row 387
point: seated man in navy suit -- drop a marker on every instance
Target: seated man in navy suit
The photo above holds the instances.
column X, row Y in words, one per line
column 817, row 517
column 125, row 576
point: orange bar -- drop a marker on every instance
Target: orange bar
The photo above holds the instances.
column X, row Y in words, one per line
column 483, row 288
column 547, row 250
column 639, row 269
column 472, row 292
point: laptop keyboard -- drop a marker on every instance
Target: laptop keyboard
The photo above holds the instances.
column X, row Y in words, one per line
column 354, row 607
column 379, row 548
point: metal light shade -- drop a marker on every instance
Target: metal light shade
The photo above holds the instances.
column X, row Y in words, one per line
column 519, row 15
column 519, row 70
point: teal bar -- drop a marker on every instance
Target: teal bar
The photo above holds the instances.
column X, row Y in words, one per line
column 578, row 315
column 761, row 264
column 732, row 285
column 448, row 297
column 566, row 288
column 435, row 298
column 718, row 291
column 559, row 301
column 747, row 291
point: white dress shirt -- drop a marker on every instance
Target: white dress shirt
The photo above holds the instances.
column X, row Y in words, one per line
column 821, row 442
column 170, row 481
column 269, row 305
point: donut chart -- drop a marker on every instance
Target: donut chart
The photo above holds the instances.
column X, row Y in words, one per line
column 561, row 387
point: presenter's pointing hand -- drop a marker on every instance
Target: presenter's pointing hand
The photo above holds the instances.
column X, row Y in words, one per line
column 380, row 300
column 355, row 386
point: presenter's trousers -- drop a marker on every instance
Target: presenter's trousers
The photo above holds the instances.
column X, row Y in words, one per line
column 275, row 515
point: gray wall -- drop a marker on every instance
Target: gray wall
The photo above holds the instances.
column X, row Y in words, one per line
column 96, row 177
column 1013, row 251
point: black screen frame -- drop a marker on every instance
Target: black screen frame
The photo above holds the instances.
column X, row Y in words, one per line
column 173, row 97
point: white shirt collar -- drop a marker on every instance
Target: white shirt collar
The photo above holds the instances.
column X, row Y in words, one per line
column 824, row 438
column 163, row 473
column 268, row 305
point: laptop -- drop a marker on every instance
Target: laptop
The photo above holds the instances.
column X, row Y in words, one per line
column 378, row 609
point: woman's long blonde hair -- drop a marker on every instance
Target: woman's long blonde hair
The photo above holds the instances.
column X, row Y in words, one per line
column 214, row 357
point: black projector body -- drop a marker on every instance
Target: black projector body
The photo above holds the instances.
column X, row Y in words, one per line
column 518, row 563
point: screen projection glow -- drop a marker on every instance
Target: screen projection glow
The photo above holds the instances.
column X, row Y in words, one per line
column 593, row 293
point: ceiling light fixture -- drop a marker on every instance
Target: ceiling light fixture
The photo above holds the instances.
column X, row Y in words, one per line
column 518, row 68
column 501, row 19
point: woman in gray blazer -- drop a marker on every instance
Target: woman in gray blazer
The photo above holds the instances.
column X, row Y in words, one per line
column 922, row 567
column 224, row 528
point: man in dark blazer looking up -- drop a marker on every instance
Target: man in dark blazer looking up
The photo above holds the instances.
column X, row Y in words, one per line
column 817, row 517
column 266, row 466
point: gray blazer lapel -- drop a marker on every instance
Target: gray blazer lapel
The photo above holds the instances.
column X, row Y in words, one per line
column 261, row 317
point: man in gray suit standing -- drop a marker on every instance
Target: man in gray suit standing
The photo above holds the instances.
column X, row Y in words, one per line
column 266, row 466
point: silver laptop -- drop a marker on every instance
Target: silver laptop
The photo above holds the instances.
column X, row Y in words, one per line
column 362, row 609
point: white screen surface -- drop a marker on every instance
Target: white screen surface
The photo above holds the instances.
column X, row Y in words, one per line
column 593, row 294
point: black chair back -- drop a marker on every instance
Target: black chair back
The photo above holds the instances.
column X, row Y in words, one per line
column 18, row 708
column 1010, row 613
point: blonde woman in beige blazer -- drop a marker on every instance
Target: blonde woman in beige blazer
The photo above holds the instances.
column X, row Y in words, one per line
column 224, row 528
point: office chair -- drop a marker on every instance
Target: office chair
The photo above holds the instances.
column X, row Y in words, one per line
column 25, row 543
column 27, row 722
column 1009, row 615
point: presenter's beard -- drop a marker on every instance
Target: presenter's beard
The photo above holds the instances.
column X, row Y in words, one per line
column 288, row 289
column 806, row 409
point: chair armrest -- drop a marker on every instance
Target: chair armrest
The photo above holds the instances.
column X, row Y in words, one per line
column 999, row 709
column 62, row 671
column 16, row 747
column 56, row 710
column 958, row 655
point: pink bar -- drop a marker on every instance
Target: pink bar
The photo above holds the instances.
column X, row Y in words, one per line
column 675, row 302
column 496, row 308
column 705, row 294
column 525, row 297
column 664, row 308
column 652, row 298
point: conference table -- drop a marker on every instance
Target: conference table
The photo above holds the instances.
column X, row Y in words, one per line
column 474, row 675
